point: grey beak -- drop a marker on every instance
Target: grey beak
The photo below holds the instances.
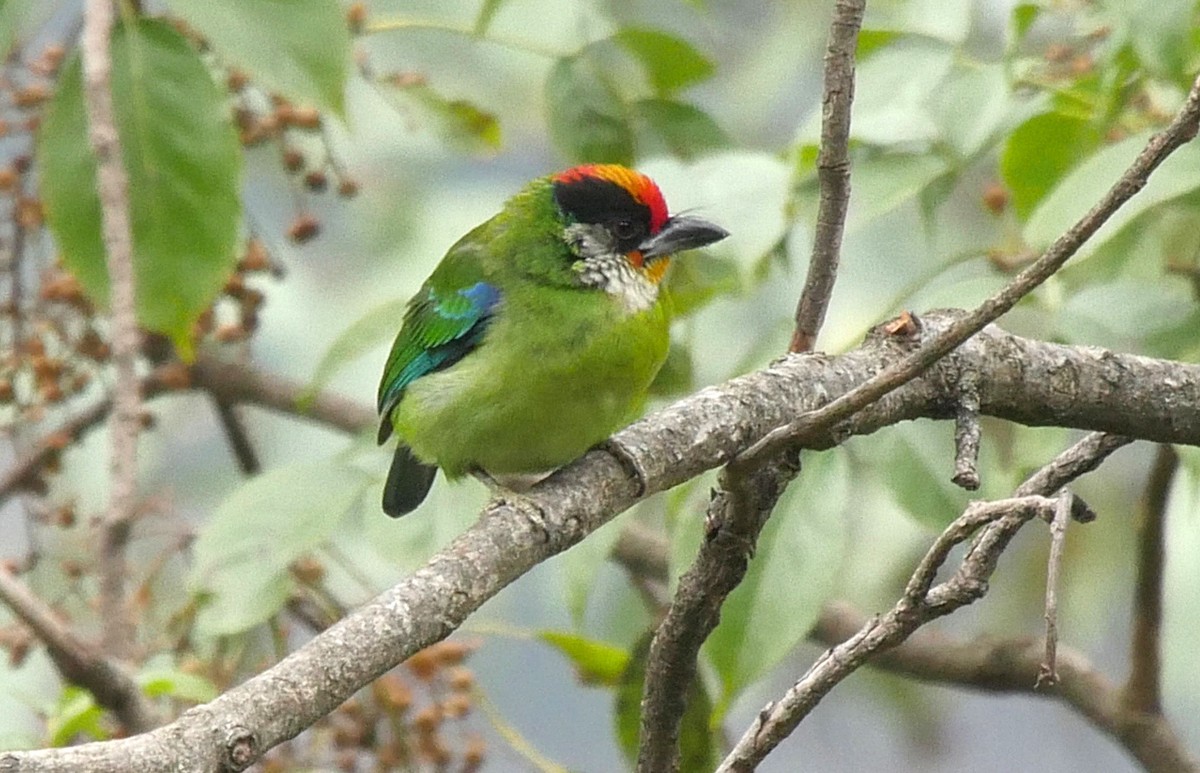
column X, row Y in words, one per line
column 682, row 232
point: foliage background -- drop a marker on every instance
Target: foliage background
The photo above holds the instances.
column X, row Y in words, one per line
column 981, row 130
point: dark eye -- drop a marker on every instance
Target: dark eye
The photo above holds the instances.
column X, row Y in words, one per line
column 625, row 230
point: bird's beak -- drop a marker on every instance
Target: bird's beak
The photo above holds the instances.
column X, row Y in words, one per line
column 682, row 232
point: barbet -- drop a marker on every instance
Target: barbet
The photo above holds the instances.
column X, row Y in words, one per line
column 538, row 334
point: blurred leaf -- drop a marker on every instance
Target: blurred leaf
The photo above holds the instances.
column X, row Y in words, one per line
column 183, row 162
column 377, row 326
column 698, row 278
column 891, row 92
column 1039, row 153
column 1070, row 199
column 699, row 748
column 745, row 191
column 974, row 105
column 174, row 683
column 458, row 122
column 243, row 552
column 298, row 48
column 1160, row 33
column 596, row 662
column 793, row 572
column 587, row 120
column 916, row 461
column 941, row 21
column 884, row 182
column 872, row 40
column 12, row 19
column 1023, row 17
column 671, row 63
column 583, row 562
column 1122, row 314
column 75, row 715
column 487, row 12
column 677, row 376
column 683, row 130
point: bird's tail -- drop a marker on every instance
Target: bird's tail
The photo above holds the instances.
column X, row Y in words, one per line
column 408, row 481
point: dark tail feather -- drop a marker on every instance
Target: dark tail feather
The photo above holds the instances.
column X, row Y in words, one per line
column 408, row 482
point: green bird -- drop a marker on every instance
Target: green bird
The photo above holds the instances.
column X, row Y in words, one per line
column 538, row 334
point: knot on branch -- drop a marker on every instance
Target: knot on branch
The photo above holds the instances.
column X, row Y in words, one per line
column 241, row 748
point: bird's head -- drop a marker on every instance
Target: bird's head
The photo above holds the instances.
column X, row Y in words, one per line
column 616, row 224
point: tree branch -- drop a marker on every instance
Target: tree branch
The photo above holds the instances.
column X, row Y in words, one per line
column 994, row 524
column 1181, row 130
column 1142, row 691
column 113, row 184
column 77, row 661
column 833, row 172
column 1020, row 380
column 1012, row 665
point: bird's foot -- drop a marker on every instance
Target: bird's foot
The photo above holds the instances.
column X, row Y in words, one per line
column 632, row 465
column 511, row 493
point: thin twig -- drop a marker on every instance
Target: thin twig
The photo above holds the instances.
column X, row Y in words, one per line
column 1011, row 666
column 77, row 661
column 113, row 184
column 1181, row 130
column 1048, row 672
column 1142, row 691
column 967, row 433
column 236, row 434
column 833, row 173
column 921, row 603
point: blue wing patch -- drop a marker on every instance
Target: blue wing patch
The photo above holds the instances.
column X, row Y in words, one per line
column 437, row 333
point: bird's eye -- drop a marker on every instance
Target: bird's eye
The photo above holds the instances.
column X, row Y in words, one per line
column 625, row 229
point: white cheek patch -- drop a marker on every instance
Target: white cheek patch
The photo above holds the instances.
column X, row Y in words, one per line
column 602, row 267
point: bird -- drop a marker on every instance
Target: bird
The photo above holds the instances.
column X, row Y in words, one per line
column 537, row 335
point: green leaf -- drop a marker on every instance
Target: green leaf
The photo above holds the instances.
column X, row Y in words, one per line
column 596, row 662
column 377, row 326
column 682, row 130
column 1040, row 151
column 298, row 48
column 698, row 741
column 243, row 552
column 75, row 715
column 587, row 120
column 670, row 63
column 172, row 682
column 183, row 161
column 883, row 183
column 1179, row 175
column 793, row 572
column 918, row 461
column 1023, row 17
column 487, row 12
column 870, row 41
column 458, row 122
column 13, row 15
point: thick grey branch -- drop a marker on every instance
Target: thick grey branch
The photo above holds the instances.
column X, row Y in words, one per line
column 1020, row 380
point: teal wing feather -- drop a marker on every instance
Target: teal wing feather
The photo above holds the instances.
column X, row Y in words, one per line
column 441, row 326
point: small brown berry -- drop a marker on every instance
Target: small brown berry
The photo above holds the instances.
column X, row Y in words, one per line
column 256, row 257
column 308, row 570
column 347, row 188
column 456, row 706
column 31, row 96
column 230, row 333
column 995, row 198
column 236, row 80
column 306, row 118
column 8, row 179
column 356, row 17
column 424, row 664
column 316, row 181
column 293, row 160
column 173, row 375
column 392, row 693
column 303, row 229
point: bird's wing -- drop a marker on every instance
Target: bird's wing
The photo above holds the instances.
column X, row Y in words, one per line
column 442, row 325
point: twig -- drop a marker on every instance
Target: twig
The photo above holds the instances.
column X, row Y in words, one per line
column 833, row 173
column 236, row 434
column 78, row 662
column 921, row 601
column 1011, row 666
column 1181, row 130
column 113, row 185
column 967, row 432
column 1048, row 672
column 25, row 471
column 1142, row 692
column 735, row 517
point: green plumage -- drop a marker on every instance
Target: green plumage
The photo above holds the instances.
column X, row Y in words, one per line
column 537, row 335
